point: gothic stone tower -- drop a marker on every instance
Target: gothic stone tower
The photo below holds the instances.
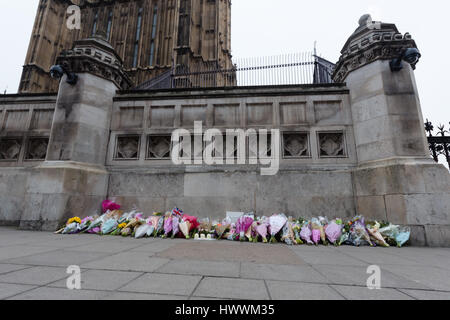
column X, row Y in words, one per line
column 151, row 36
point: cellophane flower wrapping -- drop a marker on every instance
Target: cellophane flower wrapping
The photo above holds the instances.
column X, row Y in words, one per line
column 168, row 225
column 71, row 228
column 141, row 230
column 323, row 223
column 222, row 227
column 297, row 228
column 126, row 232
column 175, row 228
column 373, row 229
column 333, row 232
column 242, row 225
column 315, row 230
column 185, row 227
column 193, row 222
column 251, row 232
column 109, row 205
column 262, row 228
column 159, row 227
column 306, row 233
column 288, row 234
column 359, row 235
column 276, row 224
column 109, row 226
column 85, row 223
column 397, row 234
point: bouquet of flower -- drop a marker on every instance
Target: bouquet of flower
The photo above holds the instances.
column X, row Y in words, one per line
column 175, row 226
column 94, row 227
column 262, row 228
column 251, row 233
column 118, row 230
column 288, row 234
column 334, row 231
column 373, row 229
column 71, row 226
column 185, row 227
column 358, row 232
column 242, row 225
column 316, row 230
column 109, row 226
column 297, row 229
column 168, row 224
column 141, row 231
column 324, row 223
column 85, row 223
column 108, row 205
column 222, row 227
column 395, row 234
column 205, row 227
column 193, row 223
column 159, row 227
column 306, row 233
column 276, row 224
column 126, row 231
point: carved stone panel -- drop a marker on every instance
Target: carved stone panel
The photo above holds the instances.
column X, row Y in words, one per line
column 328, row 111
column 227, row 115
column 259, row 146
column 260, row 114
column 293, row 113
column 331, row 144
column 36, row 149
column 295, row 145
column 16, row 120
column 162, row 117
column 10, row 149
column 159, row 147
column 131, row 117
column 189, row 114
column 127, row 147
column 42, row 119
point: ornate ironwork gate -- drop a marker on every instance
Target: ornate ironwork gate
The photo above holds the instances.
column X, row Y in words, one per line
column 439, row 143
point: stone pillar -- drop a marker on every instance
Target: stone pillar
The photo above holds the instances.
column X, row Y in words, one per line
column 396, row 178
column 73, row 180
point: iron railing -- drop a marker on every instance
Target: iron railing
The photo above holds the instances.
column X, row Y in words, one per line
column 439, row 143
column 290, row 69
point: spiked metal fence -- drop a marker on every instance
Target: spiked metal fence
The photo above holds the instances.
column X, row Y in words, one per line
column 289, row 69
column 440, row 143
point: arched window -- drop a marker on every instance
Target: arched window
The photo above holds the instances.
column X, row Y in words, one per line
column 152, row 42
column 138, row 37
column 108, row 28
column 94, row 27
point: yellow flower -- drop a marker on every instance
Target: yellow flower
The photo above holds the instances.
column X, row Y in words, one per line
column 122, row 225
column 74, row 219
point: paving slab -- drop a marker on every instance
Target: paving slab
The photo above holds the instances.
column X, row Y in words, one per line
column 60, row 258
column 35, row 276
column 329, row 257
column 427, row 295
column 202, row 268
column 156, row 246
column 9, row 289
column 17, row 251
column 102, row 280
column 299, row 273
column 376, row 256
column 282, row 290
column 49, row 293
column 232, row 288
column 428, row 277
column 141, row 296
column 364, row 293
column 353, row 275
column 232, row 251
column 6, row 268
column 107, row 246
column 163, row 284
column 128, row 261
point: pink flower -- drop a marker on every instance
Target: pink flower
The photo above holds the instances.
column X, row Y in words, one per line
column 109, row 205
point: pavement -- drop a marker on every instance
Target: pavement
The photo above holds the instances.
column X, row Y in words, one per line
column 33, row 266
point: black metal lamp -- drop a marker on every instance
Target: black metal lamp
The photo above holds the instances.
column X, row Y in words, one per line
column 410, row 55
column 57, row 71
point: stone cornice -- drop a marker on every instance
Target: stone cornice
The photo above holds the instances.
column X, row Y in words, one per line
column 366, row 45
column 96, row 57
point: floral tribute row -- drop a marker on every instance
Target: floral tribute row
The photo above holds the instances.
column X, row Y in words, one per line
column 244, row 227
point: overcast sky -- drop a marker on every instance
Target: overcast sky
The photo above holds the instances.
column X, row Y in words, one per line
column 268, row 27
